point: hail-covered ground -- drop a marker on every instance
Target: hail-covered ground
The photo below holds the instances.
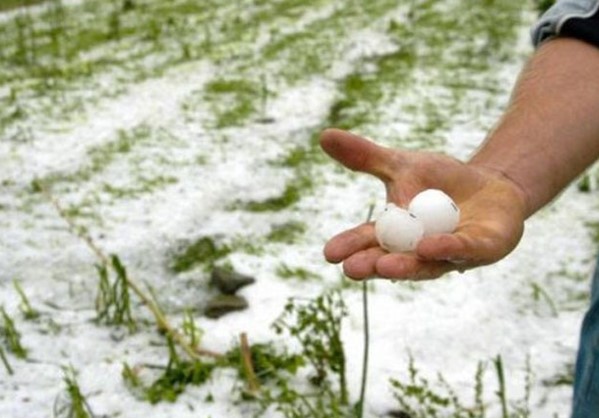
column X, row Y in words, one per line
column 161, row 126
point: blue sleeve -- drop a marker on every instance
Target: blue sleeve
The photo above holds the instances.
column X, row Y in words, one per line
column 569, row 18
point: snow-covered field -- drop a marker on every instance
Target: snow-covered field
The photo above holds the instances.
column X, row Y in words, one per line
column 173, row 122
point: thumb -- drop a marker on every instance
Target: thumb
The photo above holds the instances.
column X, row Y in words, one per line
column 357, row 153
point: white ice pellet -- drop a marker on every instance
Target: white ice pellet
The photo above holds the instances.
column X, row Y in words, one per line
column 397, row 230
column 436, row 210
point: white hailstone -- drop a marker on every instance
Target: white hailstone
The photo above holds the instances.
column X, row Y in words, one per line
column 437, row 211
column 398, row 230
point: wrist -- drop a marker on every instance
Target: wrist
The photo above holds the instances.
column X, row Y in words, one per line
column 494, row 172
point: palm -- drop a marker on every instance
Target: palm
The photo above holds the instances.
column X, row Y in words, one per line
column 491, row 220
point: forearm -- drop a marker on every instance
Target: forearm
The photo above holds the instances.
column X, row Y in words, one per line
column 550, row 131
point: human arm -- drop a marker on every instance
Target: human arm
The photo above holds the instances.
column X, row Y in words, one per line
column 547, row 136
column 550, row 132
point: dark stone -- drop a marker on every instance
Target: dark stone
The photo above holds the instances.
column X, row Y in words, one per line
column 266, row 120
column 223, row 304
column 229, row 282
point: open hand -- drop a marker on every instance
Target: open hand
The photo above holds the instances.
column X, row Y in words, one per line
column 492, row 211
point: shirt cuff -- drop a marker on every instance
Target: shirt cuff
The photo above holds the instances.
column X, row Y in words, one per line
column 569, row 18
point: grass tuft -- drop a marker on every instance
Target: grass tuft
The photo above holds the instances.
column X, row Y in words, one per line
column 113, row 301
column 26, row 308
column 10, row 336
column 75, row 405
column 204, row 252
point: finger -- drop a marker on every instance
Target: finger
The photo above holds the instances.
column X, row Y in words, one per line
column 445, row 247
column 349, row 242
column 476, row 243
column 362, row 265
column 357, row 153
column 409, row 267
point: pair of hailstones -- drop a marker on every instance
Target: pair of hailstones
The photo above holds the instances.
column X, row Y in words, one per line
column 430, row 212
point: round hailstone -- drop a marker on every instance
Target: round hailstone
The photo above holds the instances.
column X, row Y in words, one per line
column 397, row 230
column 437, row 211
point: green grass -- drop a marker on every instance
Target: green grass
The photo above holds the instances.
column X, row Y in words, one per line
column 205, row 251
column 125, row 147
column 55, row 54
column 12, row 4
column 50, row 47
column 288, row 232
column 233, row 101
column 65, row 48
column 10, row 337
column 76, row 404
column 446, row 45
column 56, row 64
column 299, row 273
